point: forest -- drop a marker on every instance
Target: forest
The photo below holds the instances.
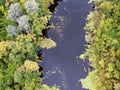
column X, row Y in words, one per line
column 21, row 26
column 103, row 46
column 22, row 23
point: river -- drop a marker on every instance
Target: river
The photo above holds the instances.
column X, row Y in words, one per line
column 61, row 64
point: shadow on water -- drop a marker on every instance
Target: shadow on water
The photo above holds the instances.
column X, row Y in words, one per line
column 61, row 64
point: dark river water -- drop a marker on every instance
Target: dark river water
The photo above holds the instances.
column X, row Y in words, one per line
column 61, row 64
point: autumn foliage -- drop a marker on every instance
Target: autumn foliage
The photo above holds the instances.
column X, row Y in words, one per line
column 103, row 46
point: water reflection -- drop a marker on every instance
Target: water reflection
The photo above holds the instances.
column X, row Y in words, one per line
column 61, row 21
column 55, row 72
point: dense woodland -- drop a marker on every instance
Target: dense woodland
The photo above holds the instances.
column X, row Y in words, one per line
column 103, row 46
column 21, row 25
